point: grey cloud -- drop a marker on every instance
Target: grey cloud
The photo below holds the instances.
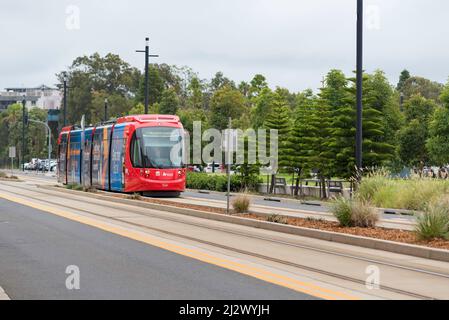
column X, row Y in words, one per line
column 292, row 42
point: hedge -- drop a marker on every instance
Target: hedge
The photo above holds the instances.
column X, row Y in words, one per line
column 216, row 182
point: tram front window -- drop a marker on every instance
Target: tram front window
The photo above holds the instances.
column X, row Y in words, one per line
column 162, row 147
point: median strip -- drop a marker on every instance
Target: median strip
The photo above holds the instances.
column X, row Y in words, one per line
column 311, row 228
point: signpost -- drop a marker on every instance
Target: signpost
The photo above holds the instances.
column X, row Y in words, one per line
column 230, row 146
column 12, row 155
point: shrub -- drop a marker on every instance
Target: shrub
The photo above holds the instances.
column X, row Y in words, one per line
column 241, row 204
column 354, row 213
column 434, row 222
column 372, row 184
column 134, row 196
column 275, row 218
column 90, row 189
column 363, row 215
column 412, row 194
column 77, row 187
column 3, row 175
column 342, row 210
column 219, row 182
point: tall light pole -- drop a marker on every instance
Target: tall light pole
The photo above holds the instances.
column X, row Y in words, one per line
column 24, row 123
column 147, row 62
column 359, row 126
column 105, row 109
column 65, row 100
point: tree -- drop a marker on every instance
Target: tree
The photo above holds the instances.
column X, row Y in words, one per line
column 420, row 108
column 405, row 75
column 195, row 93
column 219, row 81
column 139, row 108
column 321, row 154
column 156, row 86
column 412, row 144
column 257, row 84
column 336, row 96
column 300, row 140
column 377, row 151
column 261, row 107
column 169, row 102
column 418, row 85
column 226, row 103
column 279, row 119
column 93, row 76
column 438, row 143
column 11, row 124
column 413, row 136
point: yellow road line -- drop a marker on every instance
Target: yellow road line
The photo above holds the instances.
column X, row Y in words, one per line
column 254, row 272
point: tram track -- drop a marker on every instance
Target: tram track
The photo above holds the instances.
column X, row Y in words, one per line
column 233, row 232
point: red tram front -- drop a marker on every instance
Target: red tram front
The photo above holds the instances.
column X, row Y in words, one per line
column 134, row 154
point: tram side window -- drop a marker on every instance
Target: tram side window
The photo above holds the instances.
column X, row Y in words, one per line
column 136, row 155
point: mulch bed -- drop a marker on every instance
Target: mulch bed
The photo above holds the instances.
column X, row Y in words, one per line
column 395, row 235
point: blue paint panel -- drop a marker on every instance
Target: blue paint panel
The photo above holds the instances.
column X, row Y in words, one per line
column 96, row 158
column 74, row 158
column 118, row 148
column 86, row 162
column 100, row 157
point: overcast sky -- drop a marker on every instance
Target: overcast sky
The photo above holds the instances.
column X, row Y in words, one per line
column 292, row 42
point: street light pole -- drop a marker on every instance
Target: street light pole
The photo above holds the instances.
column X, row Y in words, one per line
column 23, row 131
column 147, row 65
column 105, row 110
column 359, row 127
column 65, row 100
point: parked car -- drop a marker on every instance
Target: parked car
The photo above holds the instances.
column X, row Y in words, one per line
column 219, row 168
column 193, row 169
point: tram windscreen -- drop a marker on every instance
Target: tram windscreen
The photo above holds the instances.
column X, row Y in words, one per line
column 162, row 147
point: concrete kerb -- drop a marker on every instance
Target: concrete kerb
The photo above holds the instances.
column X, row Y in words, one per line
column 377, row 244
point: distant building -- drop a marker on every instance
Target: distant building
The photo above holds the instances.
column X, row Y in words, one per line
column 42, row 97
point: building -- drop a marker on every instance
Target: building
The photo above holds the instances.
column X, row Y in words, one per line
column 42, row 97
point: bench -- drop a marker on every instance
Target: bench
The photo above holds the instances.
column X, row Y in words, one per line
column 280, row 183
column 335, row 186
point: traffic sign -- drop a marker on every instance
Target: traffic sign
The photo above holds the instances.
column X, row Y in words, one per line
column 12, row 152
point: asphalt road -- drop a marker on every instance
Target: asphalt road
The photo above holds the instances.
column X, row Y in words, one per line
column 36, row 248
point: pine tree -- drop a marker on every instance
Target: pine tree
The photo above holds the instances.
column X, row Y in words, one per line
column 279, row 119
column 300, row 140
column 376, row 149
column 342, row 123
column 321, row 154
column 405, row 75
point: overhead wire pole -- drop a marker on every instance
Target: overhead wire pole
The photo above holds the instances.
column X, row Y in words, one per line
column 64, row 122
column 147, row 65
column 359, row 126
column 24, row 122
